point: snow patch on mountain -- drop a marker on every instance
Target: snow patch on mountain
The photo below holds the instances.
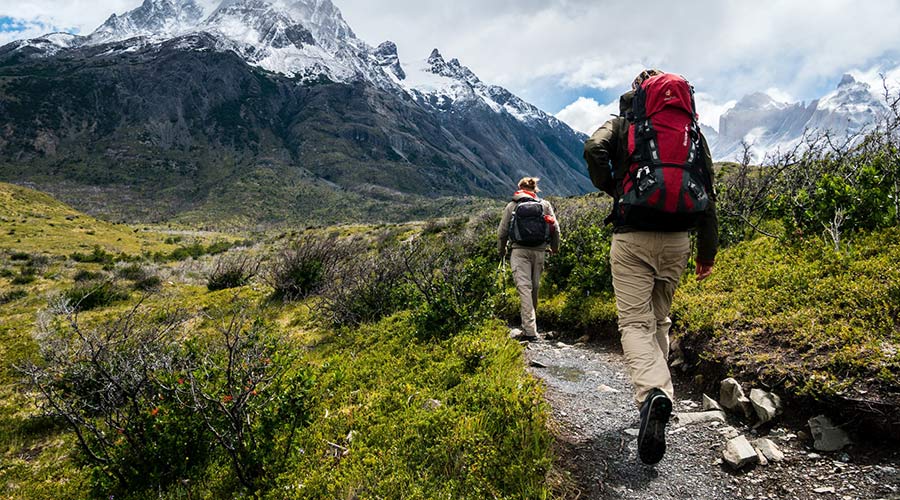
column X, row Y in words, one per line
column 770, row 126
column 305, row 39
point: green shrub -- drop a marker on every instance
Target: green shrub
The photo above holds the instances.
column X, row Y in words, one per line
column 27, row 275
column 92, row 295
column 20, row 256
column 232, row 272
column 132, row 272
column 148, row 284
column 455, row 293
column 84, row 275
column 152, row 407
column 582, row 266
column 12, row 296
column 304, row 266
column 97, row 256
column 367, row 288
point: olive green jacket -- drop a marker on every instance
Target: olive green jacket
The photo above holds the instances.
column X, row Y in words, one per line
column 606, row 153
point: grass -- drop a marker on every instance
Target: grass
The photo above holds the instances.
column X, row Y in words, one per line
column 394, row 414
column 33, row 222
column 824, row 322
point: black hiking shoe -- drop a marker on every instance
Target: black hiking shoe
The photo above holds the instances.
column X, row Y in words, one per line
column 655, row 413
column 528, row 338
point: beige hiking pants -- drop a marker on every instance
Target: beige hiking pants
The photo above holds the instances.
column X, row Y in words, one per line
column 527, row 265
column 646, row 269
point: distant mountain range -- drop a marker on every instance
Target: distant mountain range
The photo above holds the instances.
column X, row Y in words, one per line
column 273, row 105
column 769, row 126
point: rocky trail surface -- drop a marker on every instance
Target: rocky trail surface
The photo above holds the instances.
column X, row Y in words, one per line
column 596, row 424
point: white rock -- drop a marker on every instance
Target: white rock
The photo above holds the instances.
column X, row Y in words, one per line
column 739, row 453
column 731, row 396
column 827, row 436
column 515, row 333
column 603, row 389
column 767, row 404
column 768, row 448
column 729, row 432
column 700, row 417
column 711, row 404
column 827, row 489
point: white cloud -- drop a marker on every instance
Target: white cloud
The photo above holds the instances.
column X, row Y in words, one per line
column 17, row 29
column 587, row 115
column 78, row 15
column 726, row 49
column 709, row 110
column 780, row 95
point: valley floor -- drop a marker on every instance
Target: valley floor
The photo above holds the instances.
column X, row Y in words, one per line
column 596, row 426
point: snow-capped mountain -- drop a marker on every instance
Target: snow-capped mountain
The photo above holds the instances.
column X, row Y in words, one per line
column 308, row 39
column 770, row 126
column 156, row 97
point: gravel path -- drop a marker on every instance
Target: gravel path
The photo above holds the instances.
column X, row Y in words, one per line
column 596, row 424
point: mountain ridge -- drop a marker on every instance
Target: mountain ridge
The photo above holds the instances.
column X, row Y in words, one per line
column 181, row 118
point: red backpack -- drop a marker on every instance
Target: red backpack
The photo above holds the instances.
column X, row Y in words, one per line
column 666, row 186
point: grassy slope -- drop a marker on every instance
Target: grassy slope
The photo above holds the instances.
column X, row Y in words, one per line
column 815, row 321
column 33, row 222
column 487, row 436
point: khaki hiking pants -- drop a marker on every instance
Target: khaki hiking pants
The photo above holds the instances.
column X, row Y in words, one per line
column 646, row 269
column 527, row 265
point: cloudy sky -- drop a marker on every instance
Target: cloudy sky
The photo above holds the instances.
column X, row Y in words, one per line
column 574, row 57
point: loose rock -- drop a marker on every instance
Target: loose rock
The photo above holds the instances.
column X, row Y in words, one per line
column 767, row 405
column 768, row 448
column 827, row 436
column 700, row 417
column 710, row 404
column 732, row 397
column 739, row 453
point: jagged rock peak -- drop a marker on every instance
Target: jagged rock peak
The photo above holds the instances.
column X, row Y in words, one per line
column 386, row 49
column 153, row 17
column 435, row 57
column 260, row 19
column 387, row 57
column 847, row 80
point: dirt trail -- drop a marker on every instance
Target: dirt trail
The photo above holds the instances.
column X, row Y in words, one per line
column 588, row 388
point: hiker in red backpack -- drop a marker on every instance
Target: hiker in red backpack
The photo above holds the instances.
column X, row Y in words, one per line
column 530, row 225
column 655, row 163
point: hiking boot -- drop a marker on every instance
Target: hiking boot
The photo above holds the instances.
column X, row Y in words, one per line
column 528, row 338
column 655, row 413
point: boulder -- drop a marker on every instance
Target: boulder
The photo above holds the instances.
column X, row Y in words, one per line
column 767, row 405
column 827, row 436
column 731, row 396
column 769, row 450
column 739, row 453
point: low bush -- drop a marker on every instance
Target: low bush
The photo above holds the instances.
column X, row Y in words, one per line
column 97, row 256
column 455, row 292
column 367, row 288
column 26, row 276
column 84, row 275
column 12, row 296
column 582, row 266
column 232, row 271
column 306, row 265
column 151, row 406
column 90, row 295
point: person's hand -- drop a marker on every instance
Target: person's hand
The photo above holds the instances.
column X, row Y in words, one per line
column 703, row 271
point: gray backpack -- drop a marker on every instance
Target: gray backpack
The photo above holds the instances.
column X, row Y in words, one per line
column 527, row 226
